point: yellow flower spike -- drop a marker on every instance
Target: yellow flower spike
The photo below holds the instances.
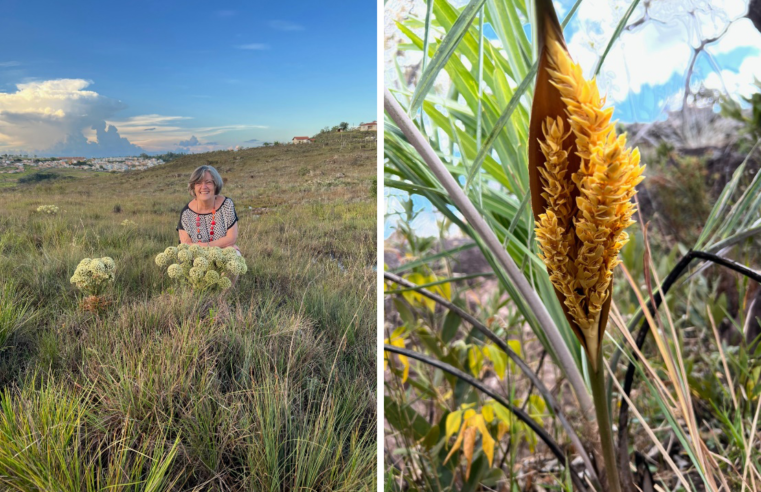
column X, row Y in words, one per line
column 581, row 185
column 595, row 175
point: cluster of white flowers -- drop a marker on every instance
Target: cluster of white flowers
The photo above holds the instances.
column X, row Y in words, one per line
column 48, row 209
column 202, row 268
column 128, row 223
column 94, row 274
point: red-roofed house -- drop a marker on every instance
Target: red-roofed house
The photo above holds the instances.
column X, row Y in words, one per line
column 301, row 140
column 368, row 127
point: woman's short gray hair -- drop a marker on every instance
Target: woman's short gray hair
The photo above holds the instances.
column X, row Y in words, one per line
column 197, row 176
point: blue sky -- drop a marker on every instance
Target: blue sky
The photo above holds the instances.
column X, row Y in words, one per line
column 228, row 74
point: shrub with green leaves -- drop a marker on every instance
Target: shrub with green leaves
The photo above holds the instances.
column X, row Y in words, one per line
column 93, row 275
column 202, row 268
column 48, row 209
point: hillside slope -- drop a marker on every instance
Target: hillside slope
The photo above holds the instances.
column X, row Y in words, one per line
column 189, row 391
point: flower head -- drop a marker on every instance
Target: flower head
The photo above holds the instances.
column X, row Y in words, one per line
column 175, row 271
column 583, row 178
column 162, row 259
column 185, row 256
column 214, row 253
column 201, row 263
column 92, row 275
column 196, row 273
column 211, row 277
column 236, row 266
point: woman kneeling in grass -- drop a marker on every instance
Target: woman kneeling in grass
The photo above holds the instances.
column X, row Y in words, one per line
column 209, row 219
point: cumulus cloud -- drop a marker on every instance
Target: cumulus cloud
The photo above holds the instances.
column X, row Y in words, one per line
column 63, row 117
column 109, row 143
column 741, row 82
column 281, row 25
column 193, row 145
column 657, row 50
column 50, row 116
column 191, row 142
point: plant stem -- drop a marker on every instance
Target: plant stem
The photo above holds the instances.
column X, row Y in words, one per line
column 597, row 380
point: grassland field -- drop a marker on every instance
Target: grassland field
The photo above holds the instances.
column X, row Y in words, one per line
column 270, row 386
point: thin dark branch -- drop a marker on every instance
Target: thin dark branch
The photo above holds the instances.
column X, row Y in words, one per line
column 652, row 305
column 524, row 367
column 531, row 387
column 520, row 414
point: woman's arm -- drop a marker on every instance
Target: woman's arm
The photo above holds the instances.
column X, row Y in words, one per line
column 224, row 242
column 185, row 237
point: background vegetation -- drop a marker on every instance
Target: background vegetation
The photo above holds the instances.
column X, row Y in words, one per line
column 689, row 420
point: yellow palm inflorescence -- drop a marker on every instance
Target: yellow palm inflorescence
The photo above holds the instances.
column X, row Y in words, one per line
column 581, row 229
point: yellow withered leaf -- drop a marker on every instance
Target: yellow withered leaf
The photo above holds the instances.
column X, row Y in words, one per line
column 467, row 448
column 444, row 290
column 397, row 340
column 487, row 442
column 454, row 420
column 582, row 180
column 488, row 412
column 472, row 423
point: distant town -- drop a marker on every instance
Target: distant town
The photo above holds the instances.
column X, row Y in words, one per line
column 18, row 163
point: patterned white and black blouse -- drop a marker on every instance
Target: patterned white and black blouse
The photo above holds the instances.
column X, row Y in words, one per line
column 225, row 217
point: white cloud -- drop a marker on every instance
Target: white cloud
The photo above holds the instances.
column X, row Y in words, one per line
column 166, row 135
column 253, row 46
column 653, row 52
column 741, row 33
column 46, row 113
column 738, row 83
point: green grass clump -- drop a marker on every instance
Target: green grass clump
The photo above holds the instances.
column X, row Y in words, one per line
column 269, row 385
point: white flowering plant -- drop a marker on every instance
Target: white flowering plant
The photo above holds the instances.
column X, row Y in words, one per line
column 93, row 275
column 128, row 223
column 48, row 209
column 203, row 268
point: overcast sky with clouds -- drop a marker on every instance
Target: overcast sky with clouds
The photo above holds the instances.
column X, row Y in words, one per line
column 117, row 78
column 644, row 73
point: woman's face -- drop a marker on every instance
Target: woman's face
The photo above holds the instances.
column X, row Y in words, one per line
column 205, row 188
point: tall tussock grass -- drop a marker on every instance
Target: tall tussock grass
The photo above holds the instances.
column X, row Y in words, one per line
column 268, row 386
